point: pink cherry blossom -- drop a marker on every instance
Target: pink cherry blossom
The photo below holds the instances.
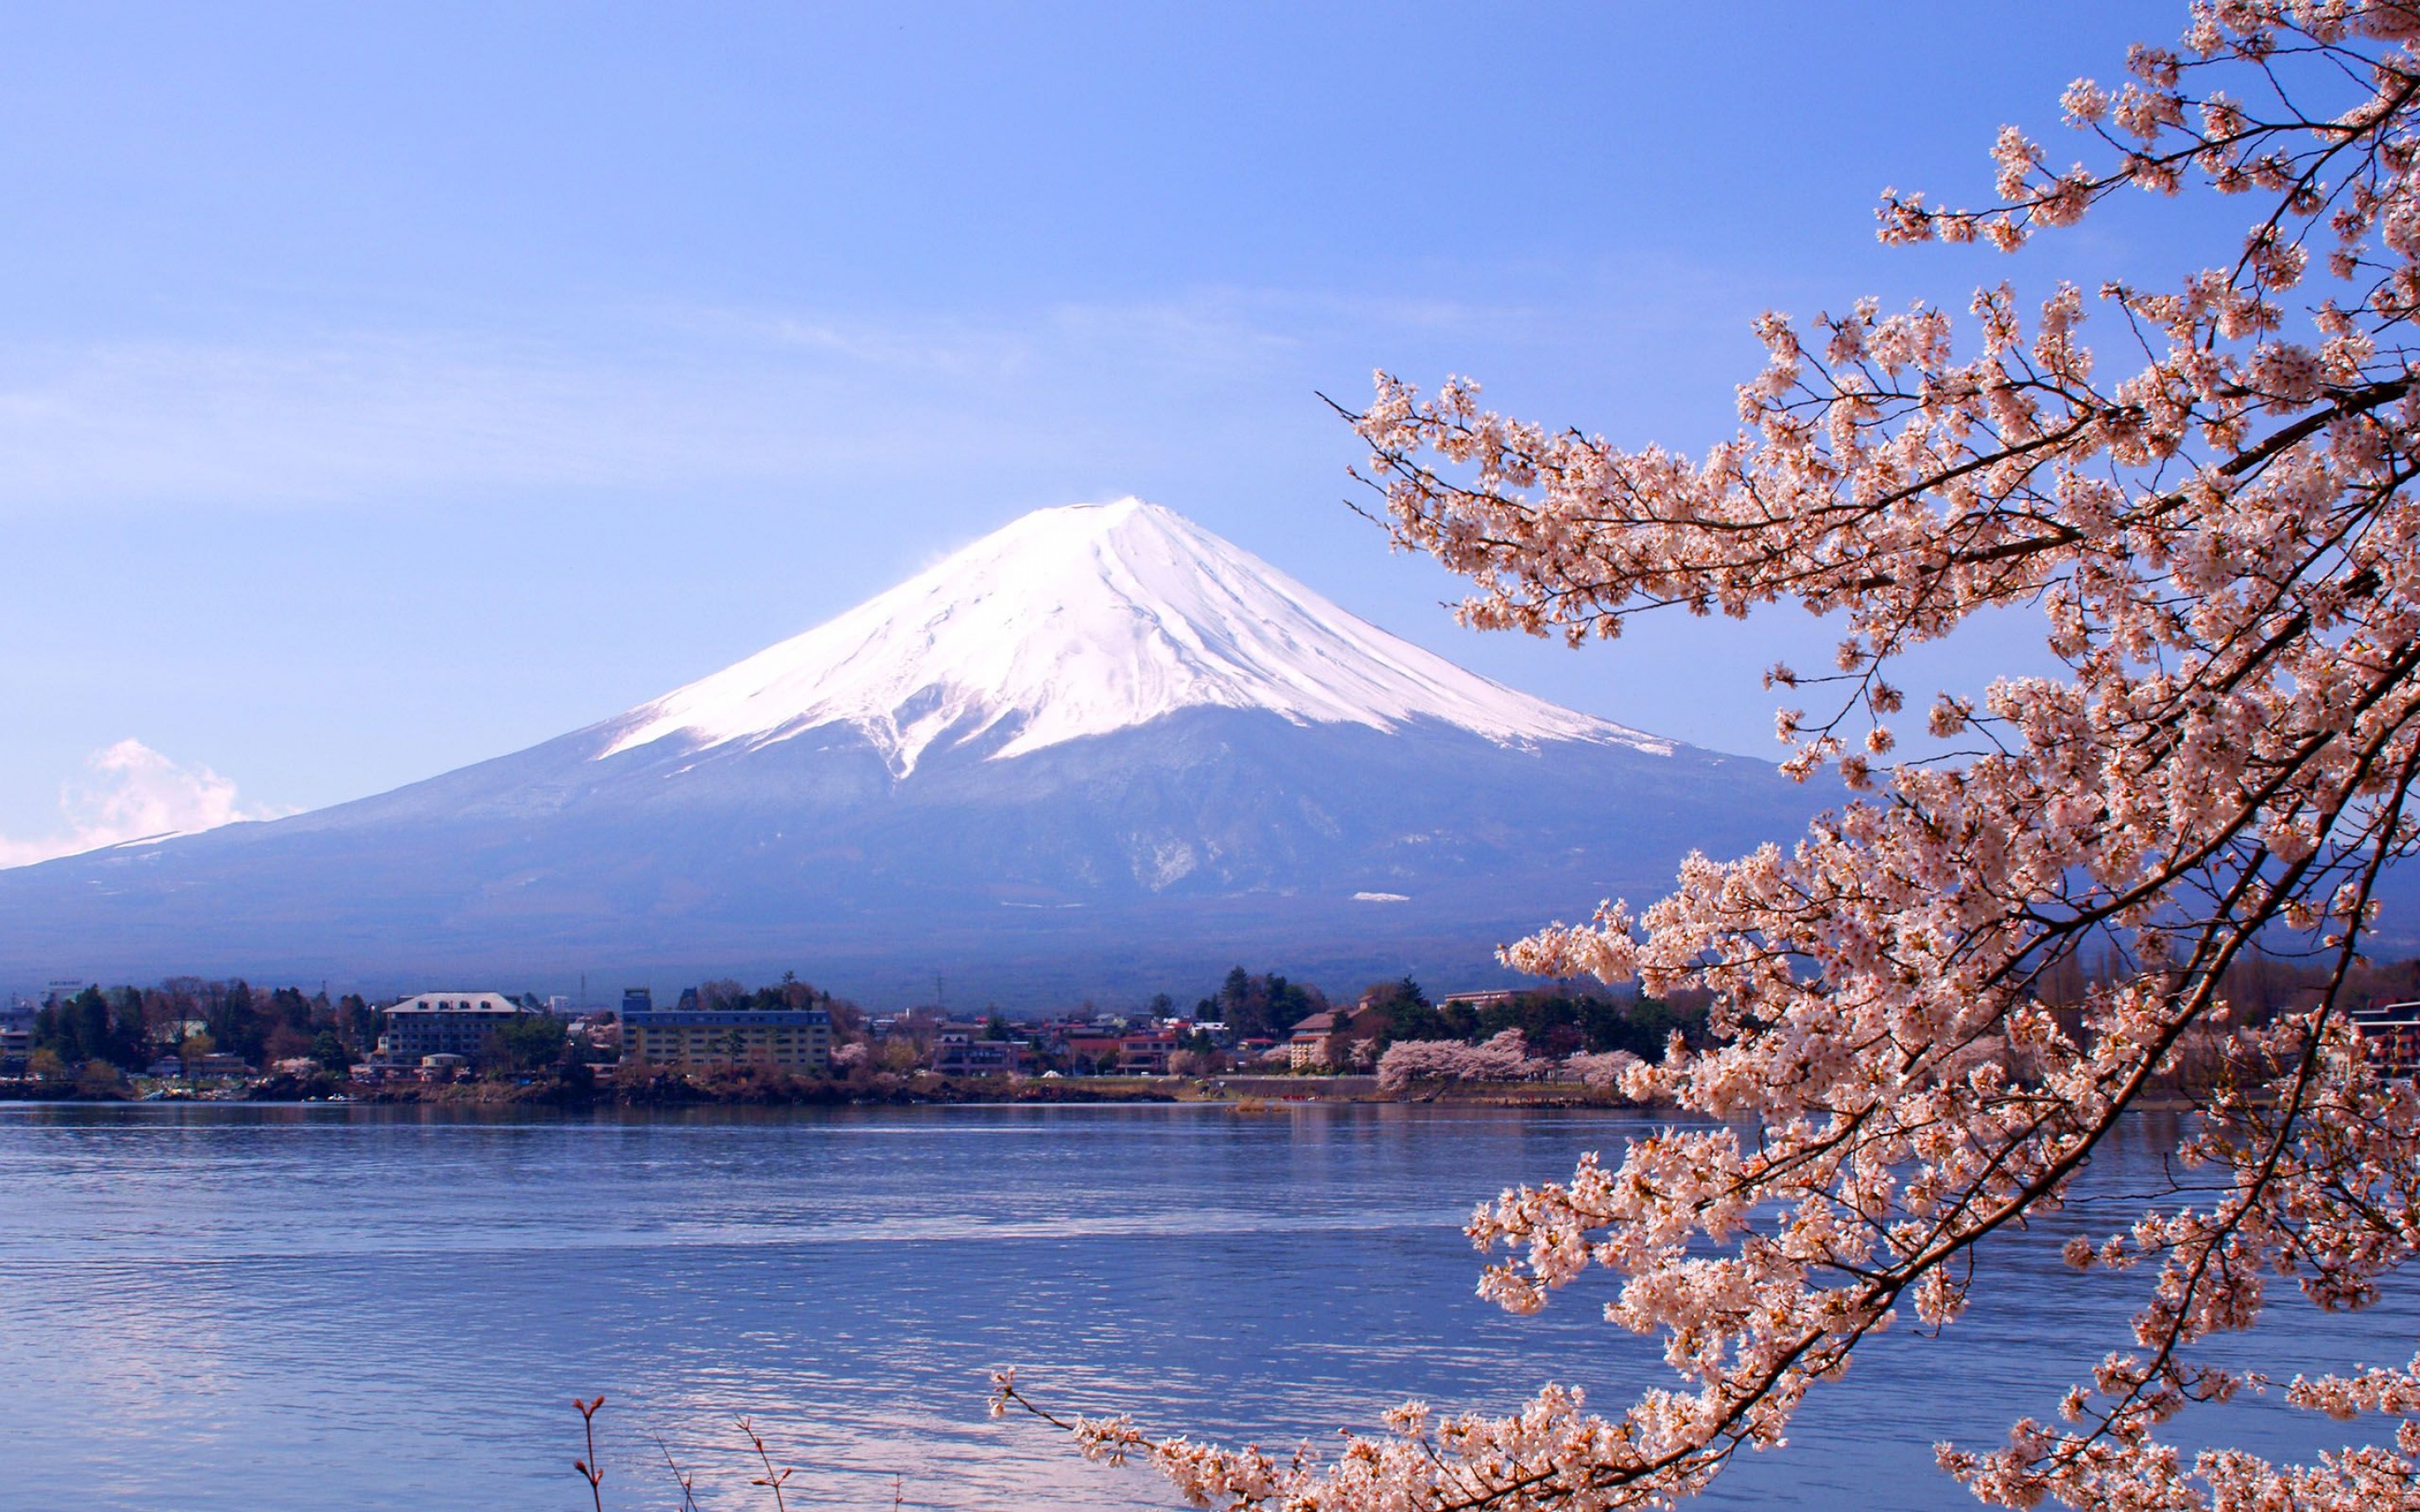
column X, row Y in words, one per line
column 1503, row 1059
column 2208, row 512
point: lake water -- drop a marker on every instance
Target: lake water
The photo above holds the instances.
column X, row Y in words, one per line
column 281, row 1309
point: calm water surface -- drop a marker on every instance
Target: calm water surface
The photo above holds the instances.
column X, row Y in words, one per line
column 280, row 1309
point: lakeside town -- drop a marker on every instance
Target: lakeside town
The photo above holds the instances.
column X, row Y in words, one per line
column 1256, row 1035
column 790, row 1040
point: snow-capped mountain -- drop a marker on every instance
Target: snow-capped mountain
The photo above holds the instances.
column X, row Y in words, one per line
column 1085, row 621
column 1098, row 750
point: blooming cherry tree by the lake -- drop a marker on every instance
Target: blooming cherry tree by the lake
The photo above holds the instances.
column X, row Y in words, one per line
column 2207, row 504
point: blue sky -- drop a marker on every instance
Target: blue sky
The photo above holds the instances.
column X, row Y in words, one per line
column 383, row 389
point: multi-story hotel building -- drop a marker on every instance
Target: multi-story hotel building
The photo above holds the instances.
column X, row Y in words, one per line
column 791, row 1038
column 444, row 1024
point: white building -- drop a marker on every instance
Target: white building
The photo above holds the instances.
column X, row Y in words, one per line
column 443, row 1024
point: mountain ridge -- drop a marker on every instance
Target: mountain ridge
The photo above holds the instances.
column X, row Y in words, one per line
column 1100, row 751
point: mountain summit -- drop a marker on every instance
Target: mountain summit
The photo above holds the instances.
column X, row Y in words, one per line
column 1100, row 751
column 1084, row 621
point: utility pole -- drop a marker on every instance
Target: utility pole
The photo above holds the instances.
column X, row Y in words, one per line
column 939, row 1004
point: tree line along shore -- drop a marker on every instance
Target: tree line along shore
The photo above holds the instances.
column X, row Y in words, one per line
column 191, row 1036
column 1256, row 1035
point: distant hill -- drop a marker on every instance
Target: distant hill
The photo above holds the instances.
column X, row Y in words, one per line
column 1099, row 752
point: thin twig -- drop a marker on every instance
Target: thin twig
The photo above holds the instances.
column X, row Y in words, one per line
column 680, row 1476
column 772, row 1478
column 588, row 1468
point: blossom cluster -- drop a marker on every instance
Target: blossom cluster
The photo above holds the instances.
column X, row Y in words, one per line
column 1502, row 1057
column 2218, row 536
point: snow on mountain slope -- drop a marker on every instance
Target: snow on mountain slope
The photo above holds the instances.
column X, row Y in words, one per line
column 1081, row 620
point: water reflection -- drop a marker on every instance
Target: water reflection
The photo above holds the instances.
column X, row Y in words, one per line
column 292, row 1308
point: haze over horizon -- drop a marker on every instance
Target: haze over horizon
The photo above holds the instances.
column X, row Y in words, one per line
column 386, row 394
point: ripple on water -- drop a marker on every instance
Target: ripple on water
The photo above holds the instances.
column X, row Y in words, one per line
column 275, row 1309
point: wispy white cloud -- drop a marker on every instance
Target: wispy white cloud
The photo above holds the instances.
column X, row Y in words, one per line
column 650, row 400
column 130, row 792
column 693, row 398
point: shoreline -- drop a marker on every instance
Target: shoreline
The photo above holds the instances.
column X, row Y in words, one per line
column 665, row 1091
column 1244, row 1093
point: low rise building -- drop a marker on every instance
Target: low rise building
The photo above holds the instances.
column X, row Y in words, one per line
column 1330, row 1041
column 2390, row 1032
column 789, row 1039
column 444, row 1024
column 601, row 1033
column 1094, row 1048
column 16, row 1036
column 962, row 1055
column 1308, row 1047
column 1146, row 1054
